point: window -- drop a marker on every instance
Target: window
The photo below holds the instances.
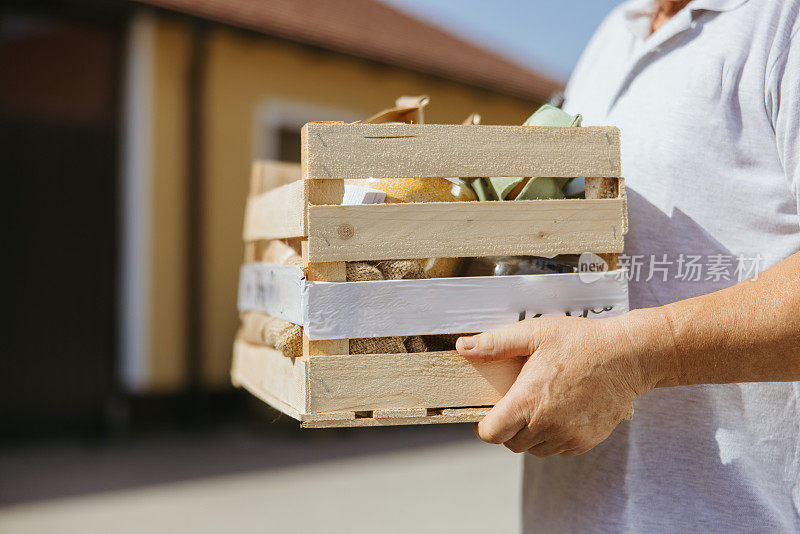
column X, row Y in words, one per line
column 277, row 126
column 288, row 144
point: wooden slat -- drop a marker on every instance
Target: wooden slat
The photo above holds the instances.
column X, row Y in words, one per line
column 280, row 251
column 327, row 272
column 400, row 413
column 263, row 372
column 456, row 415
column 465, row 229
column 334, row 271
column 413, row 150
column 608, row 188
column 467, row 412
column 268, row 174
column 276, row 214
column 320, row 192
column 391, row 381
column 447, row 415
column 329, row 416
column 272, row 377
column 284, row 378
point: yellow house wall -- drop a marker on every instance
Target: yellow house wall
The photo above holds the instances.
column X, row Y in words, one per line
column 167, row 351
column 245, row 72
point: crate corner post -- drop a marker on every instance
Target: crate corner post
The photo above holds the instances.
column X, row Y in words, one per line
column 320, row 192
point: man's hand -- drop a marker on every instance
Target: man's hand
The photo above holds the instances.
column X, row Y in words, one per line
column 581, row 375
column 578, row 383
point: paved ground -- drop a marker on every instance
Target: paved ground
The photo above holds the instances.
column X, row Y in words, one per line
column 339, row 483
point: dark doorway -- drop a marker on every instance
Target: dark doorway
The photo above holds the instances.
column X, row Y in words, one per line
column 59, row 86
column 289, row 144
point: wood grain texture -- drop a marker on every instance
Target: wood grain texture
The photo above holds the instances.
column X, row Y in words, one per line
column 400, row 413
column 468, row 412
column 276, row 214
column 413, row 150
column 402, row 381
column 609, row 188
column 251, row 364
column 280, row 251
column 325, row 272
column 321, row 192
column 623, row 194
column 328, row 416
column 457, row 415
column 272, row 377
column 325, row 347
column 465, row 229
column 268, row 174
column 335, row 271
column 276, row 379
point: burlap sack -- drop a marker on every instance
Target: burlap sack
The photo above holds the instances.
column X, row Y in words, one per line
column 262, row 329
column 415, row 344
column 401, row 269
column 377, row 345
column 385, row 270
column 361, row 271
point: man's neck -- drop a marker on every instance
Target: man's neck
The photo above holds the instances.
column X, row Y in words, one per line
column 666, row 10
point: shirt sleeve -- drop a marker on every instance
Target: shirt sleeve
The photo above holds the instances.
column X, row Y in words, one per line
column 783, row 104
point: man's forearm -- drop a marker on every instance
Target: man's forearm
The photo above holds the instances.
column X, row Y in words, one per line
column 746, row 333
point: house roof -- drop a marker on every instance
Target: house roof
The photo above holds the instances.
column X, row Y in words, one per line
column 372, row 30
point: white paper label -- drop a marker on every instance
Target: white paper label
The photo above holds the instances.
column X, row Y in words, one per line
column 589, row 313
column 355, row 195
column 272, row 289
column 338, row 310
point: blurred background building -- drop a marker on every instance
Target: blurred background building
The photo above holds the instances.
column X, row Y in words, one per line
column 127, row 132
column 130, row 128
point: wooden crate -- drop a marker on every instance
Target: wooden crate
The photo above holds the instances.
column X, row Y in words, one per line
column 329, row 387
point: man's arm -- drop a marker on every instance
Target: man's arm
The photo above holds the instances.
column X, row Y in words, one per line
column 747, row 333
column 582, row 374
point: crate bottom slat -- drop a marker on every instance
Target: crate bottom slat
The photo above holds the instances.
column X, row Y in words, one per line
column 245, row 380
column 446, row 415
column 254, row 369
column 249, row 370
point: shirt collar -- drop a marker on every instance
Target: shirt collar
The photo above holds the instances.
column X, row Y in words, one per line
column 638, row 12
column 715, row 5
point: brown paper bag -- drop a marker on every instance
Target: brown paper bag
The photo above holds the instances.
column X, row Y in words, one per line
column 407, row 109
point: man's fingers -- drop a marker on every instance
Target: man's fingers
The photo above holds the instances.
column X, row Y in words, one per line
column 502, row 422
column 548, row 448
column 518, row 339
column 524, row 440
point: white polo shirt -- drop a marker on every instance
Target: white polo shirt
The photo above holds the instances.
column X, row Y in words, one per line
column 709, row 109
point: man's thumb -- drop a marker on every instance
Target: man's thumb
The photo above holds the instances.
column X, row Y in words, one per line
column 507, row 342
